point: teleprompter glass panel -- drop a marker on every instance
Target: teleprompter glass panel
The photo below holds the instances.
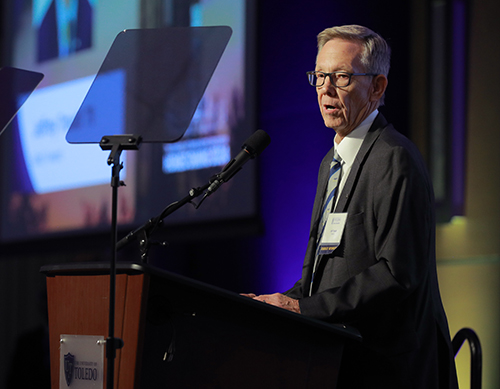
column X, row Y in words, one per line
column 150, row 84
column 15, row 87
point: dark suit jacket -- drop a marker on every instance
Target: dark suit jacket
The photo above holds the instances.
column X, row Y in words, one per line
column 382, row 278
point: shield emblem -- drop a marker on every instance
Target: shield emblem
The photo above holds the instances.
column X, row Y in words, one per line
column 69, row 363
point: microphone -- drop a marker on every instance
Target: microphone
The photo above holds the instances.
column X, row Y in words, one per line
column 252, row 147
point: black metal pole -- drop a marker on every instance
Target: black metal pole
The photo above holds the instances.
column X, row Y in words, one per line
column 115, row 143
column 111, row 343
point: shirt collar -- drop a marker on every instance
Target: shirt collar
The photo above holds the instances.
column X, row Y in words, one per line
column 350, row 145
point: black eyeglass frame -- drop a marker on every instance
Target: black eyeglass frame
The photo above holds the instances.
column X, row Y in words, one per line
column 313, row 73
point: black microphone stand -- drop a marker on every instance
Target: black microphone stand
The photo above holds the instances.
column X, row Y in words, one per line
column 150, row 226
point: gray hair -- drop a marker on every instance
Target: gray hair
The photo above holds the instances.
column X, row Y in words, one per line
column 376, row 55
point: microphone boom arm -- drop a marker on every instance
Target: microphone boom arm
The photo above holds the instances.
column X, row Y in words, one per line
column 152, row 224
column 253, row 146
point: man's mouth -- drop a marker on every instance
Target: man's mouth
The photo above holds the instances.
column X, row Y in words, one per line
column 330, row 108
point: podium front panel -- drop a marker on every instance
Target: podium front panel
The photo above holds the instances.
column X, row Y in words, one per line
column 79, row 305
column 180, row 333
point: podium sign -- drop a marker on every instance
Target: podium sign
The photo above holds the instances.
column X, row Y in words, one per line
column 81, row 360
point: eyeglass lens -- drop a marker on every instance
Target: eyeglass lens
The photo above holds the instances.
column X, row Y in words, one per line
column 339, row 79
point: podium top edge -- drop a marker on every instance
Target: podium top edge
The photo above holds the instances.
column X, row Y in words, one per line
column 135, row 268
column 93, row 268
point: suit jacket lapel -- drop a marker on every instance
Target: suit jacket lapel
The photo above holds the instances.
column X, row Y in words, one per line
column 343, row 202
column 373, row 133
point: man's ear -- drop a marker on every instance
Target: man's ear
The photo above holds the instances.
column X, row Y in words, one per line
column 379, row 85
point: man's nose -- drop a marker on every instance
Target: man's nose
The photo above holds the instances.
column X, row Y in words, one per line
column 328, row 86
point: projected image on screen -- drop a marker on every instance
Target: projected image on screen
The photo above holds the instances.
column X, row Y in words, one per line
column 63, row 27
column 50, row 160
column 218, row 112
column 51, row 187
column 217, row 131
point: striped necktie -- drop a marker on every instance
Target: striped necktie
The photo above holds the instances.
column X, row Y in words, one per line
column 331, row 191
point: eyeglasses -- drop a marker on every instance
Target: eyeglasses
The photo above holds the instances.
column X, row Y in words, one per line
column 338, row 79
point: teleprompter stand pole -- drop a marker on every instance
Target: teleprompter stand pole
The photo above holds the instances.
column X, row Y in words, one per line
column 115, row 143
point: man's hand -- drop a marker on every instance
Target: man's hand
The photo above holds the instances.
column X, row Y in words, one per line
column 278, row 300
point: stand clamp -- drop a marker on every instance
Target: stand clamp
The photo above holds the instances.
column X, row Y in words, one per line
column 117, row 143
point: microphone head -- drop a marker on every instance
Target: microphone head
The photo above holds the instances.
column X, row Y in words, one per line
column 257, row 142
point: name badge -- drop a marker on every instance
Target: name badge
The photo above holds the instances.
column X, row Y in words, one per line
column 332, row 234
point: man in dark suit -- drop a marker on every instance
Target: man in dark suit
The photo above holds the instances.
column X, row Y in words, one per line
column 379, row 274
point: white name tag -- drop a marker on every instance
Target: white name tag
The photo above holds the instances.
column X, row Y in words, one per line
column 332, row 234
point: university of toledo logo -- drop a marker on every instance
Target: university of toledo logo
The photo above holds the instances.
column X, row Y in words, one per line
column 69, row 363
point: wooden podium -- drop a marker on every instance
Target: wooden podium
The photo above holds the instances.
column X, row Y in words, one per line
column 180, row 333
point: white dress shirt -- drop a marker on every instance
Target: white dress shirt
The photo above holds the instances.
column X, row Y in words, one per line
column 348, row 148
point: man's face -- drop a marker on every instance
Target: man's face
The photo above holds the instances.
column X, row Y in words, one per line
column 343, row 109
